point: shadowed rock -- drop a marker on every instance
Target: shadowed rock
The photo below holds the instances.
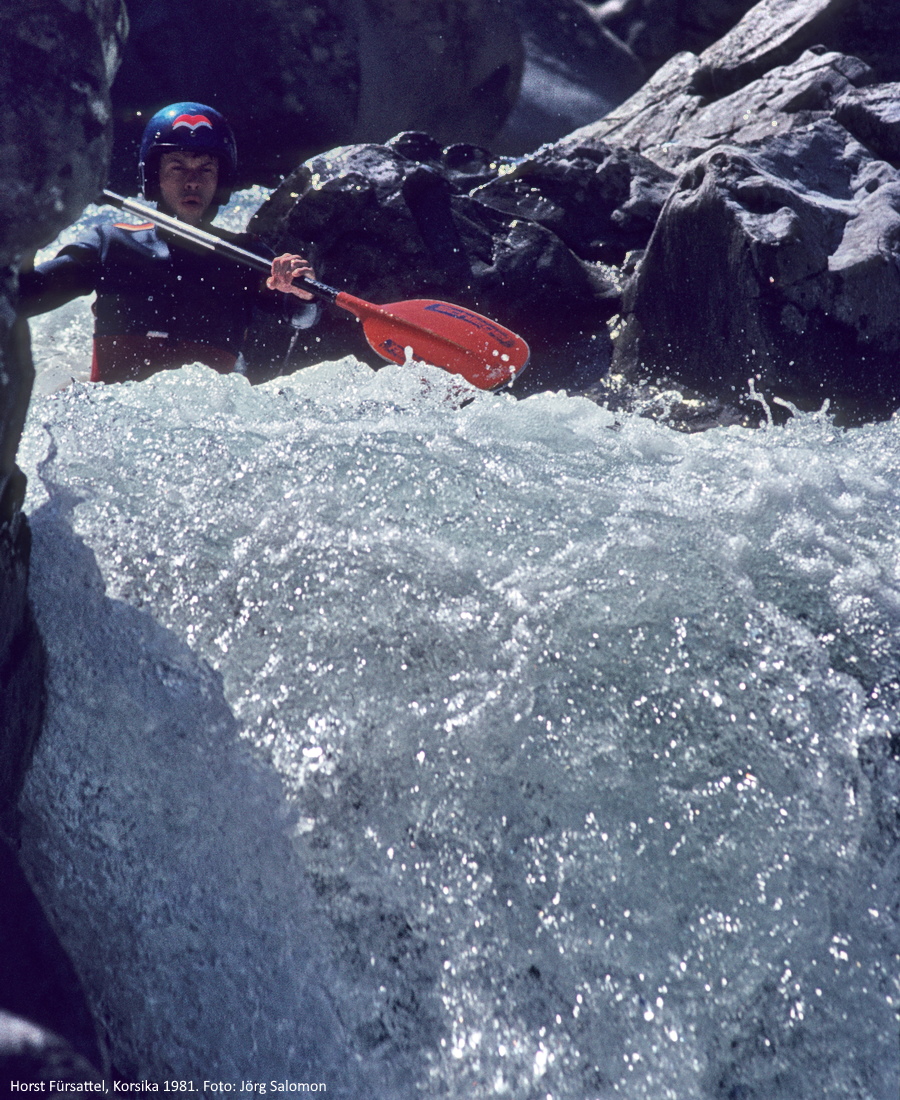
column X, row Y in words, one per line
column 872, row 115
column 738, row 41
column 57, row 58
column 655, row 30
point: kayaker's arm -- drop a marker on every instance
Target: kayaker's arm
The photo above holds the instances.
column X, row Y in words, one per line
column 70, row 274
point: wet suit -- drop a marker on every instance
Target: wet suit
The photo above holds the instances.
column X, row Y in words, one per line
column 160, row 303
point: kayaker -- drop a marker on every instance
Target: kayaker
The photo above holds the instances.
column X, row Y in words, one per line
column 162, row 302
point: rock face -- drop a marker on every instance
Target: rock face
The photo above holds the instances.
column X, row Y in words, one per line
column 776, row 265
column 656, row 30
column 296, row 78
column 530, row 244
column 57, row 58
column 774, row 259
column 55, row 149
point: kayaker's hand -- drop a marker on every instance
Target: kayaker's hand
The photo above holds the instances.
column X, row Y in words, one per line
column 285, row 269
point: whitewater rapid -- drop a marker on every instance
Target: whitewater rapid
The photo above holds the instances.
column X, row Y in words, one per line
column 430, row 748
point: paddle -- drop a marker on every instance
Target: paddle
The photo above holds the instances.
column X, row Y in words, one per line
column 448, row 336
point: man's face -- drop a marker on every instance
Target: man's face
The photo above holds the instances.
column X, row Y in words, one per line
column 188, row 183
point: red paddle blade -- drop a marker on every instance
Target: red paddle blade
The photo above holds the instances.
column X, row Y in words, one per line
column 460, row 341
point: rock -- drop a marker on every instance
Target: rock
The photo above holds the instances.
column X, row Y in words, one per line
column 576, row 70
column 670, row 124
column 868, row 29
column 56, row 61
column 774, row 264
column 22, row 662
column 529, row 244
column 872, row 115
column 774, row 32
column 297, row 78
column 57, row 58
column 759, row 36
column 602, row 202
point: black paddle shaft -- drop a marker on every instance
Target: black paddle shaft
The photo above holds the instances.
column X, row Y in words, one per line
column 214, row 244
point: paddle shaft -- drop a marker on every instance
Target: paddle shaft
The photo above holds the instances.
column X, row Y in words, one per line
column 214, row 244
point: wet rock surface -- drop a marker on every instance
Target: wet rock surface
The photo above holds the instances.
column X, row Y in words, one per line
column 773, row 266
column 775, row 257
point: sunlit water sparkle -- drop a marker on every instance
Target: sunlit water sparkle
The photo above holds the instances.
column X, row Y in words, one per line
column 544, row 753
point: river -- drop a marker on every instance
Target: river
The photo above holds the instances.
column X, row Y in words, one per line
column 422, row 747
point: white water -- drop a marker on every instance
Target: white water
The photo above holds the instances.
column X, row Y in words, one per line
column 503, row 750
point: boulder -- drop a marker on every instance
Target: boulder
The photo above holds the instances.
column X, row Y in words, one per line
column 671, row 123
column 297, row 78
column 773, row 259
column 739, row 41
column 872, row 115
column 57, row 58
column 774, row 268
column 529, row 243
column 774, row 32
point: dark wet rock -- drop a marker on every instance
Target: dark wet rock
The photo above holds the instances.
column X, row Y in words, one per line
column 297, row 78
column 774, row 258
column 57, row 58
column 56, row 61
column 576, row 70
column 22, row 663
column 530, row 243
column 602, row 202
column 774, row 267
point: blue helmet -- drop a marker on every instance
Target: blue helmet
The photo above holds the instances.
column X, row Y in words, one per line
column 192, row 128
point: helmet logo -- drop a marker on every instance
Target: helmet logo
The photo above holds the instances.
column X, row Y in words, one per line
column 192, row 122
